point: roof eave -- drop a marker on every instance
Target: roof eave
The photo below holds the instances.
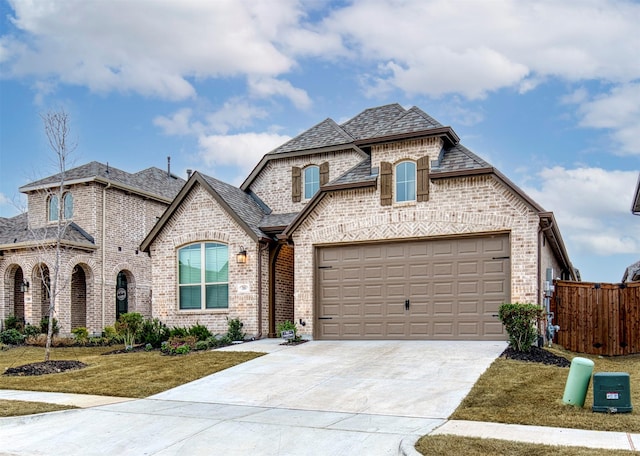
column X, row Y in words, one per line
column 550, row 228
column 46, row 242
column 446, row 132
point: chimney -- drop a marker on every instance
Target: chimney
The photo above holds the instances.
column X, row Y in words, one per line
column 168, row 166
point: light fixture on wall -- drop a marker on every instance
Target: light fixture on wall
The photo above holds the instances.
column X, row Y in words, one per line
column 241, row 256
column 24, row 286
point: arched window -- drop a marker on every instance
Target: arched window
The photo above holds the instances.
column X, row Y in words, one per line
column 311, row 181
column 53, row 208
column 203, row 276
column 405, row 181
column 67, row 200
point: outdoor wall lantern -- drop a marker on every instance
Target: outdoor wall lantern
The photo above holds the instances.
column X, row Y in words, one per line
column 24, row 286
column 241, row 257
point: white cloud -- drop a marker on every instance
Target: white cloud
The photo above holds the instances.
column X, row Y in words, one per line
column 242, row 150
column 619, row 112
column 153, row 49
column 592, row 207
column 264, row 87
column 177, row 124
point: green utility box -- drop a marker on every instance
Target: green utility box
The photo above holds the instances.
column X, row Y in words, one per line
column 611, row 392
column 575, row 391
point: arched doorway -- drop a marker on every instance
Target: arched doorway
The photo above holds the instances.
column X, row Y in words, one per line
column 122, row 294
column 78, row 298
column 18, row 295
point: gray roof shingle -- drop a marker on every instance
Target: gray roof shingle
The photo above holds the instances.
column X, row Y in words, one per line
column 240, row 202
column 325, row 134
column 368, row 122
column 15, row 230
column 410, row 121
column 151, row 180
column 459, row 158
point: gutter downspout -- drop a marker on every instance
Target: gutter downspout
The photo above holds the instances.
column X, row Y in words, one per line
column 104, row 252
column 259, row 291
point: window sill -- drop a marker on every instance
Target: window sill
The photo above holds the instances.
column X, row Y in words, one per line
column 404, row 203
column 203, row 311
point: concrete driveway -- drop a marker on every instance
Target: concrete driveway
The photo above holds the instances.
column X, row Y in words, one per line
column 321, row 397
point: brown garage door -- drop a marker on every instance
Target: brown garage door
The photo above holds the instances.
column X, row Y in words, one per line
column 433, row 289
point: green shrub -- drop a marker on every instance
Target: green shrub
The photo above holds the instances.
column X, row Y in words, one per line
column 13, row 322
column 178, row 332
column 44, row 326
column 287, row 326
column 154, row 332
column 31, row 331
column 81, row 335
column 202, row 345
column 110, row 335
column 199, row 331
column 11, row 337
column 182, row 349
column 128, row 327
column 520, row 322
column 218, row 341
column 235, row 329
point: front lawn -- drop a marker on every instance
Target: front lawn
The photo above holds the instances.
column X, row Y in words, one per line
column 530, row 393
column 136, row 374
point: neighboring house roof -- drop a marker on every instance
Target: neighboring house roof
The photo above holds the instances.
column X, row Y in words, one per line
column 635, row 208
column 240, row 206
column 632, row 273
column 151, row 182
column 15, row 234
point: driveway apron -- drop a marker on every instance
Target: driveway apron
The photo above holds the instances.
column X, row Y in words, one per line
column 320, row 397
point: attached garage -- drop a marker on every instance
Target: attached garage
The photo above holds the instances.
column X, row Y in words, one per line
column 447, row 289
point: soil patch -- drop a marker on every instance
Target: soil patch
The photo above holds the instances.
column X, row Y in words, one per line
column 45, row 367
column 536, row 355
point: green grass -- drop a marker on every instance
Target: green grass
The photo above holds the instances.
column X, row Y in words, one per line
column 439, row 445
column 136, row 374
column 529, row 393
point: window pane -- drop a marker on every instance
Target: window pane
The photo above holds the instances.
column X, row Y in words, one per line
column 217, row 296
column 311, row 181
column 190, row 297
column 68, row 205
column 217, row 263
column 53, row 208
column 189, row 264
column 406, row 181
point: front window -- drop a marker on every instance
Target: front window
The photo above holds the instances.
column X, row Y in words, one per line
column 311, row 181
column 203, row 276
column 67, row 206
column 405, row 182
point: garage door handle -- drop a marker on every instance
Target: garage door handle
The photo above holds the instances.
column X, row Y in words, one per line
column 325, row 318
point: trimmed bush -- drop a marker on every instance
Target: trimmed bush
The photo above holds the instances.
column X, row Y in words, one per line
column 31, row 331
column 520, row 322
column 235, row 330
column 44, row 326
column 13, row 322
column 287, row 326
column 11, row 337
column 81, row 334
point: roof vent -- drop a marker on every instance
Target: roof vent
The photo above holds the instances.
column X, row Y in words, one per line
column 189, row 171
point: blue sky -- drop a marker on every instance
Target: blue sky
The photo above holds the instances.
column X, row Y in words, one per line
column 548, row 92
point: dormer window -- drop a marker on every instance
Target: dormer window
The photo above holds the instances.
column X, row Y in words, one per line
column 67, row 206
column 405, row 181
column 311, row 181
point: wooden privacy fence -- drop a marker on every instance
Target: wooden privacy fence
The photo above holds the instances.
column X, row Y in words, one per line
column 597, row 318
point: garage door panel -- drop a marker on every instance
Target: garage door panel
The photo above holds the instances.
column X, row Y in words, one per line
column 454, row 288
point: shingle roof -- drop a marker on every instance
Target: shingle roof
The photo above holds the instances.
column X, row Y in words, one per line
column 240, row 202
column 459, row 158
column 15, row 231
column 359, row 173
column 326, row 133
column 151, row 180
column 277, row 220
column 368, row 122
column 410, row 121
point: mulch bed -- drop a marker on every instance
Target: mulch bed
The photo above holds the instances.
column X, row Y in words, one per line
column 536, row 355
column 45, row 367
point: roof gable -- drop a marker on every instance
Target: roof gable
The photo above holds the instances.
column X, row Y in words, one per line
column 411, row 121
column 240, row 206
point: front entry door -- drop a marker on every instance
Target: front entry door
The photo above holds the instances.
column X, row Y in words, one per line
column 122, row 295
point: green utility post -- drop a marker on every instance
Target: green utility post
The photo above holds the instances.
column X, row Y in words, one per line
column 575, row 391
